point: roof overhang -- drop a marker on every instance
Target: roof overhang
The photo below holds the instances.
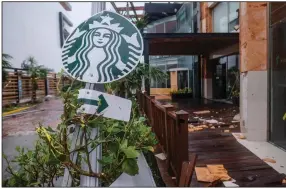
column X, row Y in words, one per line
column 188, row 43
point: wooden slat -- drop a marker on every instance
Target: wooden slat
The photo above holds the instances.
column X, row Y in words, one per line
column 187, row 171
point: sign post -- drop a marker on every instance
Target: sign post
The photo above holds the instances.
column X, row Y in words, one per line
column 104, row 48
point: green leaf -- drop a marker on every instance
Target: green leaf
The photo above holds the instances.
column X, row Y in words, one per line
column 130, row 152
column 124, row 144
column 113, row 147
column 149, row 148
column 106, row 160
column 50, row 129
column 142, row 119
column 18, row 148
column 130, row 167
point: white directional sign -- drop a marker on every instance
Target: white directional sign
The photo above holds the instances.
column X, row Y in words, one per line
column 109, row 106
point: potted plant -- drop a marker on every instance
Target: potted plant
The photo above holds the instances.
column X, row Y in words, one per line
column 182, row 93
column 235, row 97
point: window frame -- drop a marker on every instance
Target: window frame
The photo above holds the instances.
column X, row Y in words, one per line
column 62, row 19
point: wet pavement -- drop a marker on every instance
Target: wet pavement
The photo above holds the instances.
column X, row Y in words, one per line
column 49, row 115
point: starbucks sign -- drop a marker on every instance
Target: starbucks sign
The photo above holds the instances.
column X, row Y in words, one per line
column 102, row 49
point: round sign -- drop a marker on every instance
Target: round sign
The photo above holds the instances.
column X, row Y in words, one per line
column 102, row 49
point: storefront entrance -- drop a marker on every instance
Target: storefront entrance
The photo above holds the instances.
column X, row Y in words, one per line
column 278, row 75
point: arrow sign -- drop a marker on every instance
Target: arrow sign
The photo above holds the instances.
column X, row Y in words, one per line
column 109, row 106
column 102, row 105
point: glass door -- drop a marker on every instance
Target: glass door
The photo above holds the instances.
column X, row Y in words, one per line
column 278, row 80
column 182, row 79
column 219, row 78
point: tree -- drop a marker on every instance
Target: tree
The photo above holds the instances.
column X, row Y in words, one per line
column 5, row 63
column 36, row 72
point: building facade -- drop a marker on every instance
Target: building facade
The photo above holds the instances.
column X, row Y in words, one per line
column 253, row 68
column 36, row 29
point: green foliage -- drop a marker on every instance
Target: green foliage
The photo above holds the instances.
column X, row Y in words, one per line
column 121, row 143
column 36, row 72
column 5, row 63
column 38, row 167
column 182, row 91
column 133, row 81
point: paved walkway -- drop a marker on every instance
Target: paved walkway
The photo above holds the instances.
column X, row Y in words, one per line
column 49, row 116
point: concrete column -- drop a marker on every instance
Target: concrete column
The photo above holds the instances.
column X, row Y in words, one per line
column 253, row 70
column 207, row 78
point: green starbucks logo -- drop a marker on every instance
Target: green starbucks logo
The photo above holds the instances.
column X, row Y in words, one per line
column 104, row 48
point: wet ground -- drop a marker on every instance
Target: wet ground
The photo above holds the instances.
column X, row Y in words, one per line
column 47, row 113
column 222, row 112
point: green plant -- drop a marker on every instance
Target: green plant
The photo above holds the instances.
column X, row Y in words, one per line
column 36, row 72
column 38, row 167
column 181, row 91
column 121, row 143
column 133, row 81
column 235, row 93
column 5, row 63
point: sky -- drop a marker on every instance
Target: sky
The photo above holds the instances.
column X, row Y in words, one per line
column 82, row 10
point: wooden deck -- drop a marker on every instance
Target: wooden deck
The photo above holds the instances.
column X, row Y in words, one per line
column 217, row 147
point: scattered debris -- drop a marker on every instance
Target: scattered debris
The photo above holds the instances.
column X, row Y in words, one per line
column 236, row 117
column 219, row 171
column 213, row 127
column 220, row 118
column 216, row 112
column 241, row 136
column 269, row 160
column 204, row 175
column 284, row 181
column 202, row 112
column 190, row 125
column 226, row 131
column 212, row 173
column 218, row 127
column 231, row 127
column 213, row 121
column 161, row 156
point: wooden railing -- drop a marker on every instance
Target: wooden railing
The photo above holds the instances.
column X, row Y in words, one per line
column 171, row 129
column 18, row 87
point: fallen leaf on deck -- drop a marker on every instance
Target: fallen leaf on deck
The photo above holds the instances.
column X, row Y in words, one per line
column 213, row 127
column 226, row 131
column 269, row 160
column 231, row 127
column 204, row 175
column 202, row 112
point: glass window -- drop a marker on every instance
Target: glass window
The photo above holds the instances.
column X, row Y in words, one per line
column 233, row 15
column 220, row 20
column 160, row 28
column 170, row 27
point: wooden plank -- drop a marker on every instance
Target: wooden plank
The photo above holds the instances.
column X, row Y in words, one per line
column 187, row 171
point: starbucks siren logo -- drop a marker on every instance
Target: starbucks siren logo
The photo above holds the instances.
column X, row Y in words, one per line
column 104, row 48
